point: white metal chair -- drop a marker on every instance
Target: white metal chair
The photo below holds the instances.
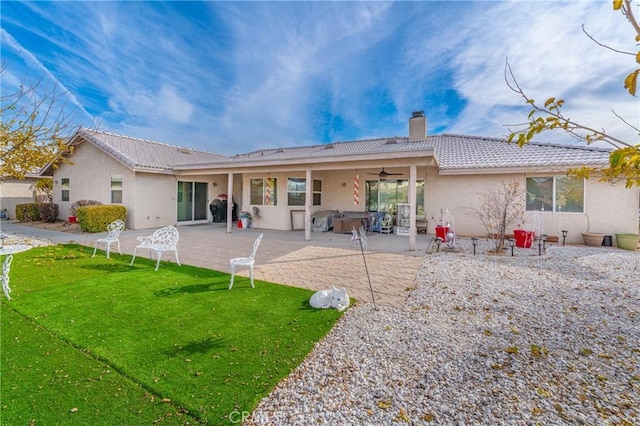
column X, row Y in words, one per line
column 6, row 267
column 113, row 236
column 245, row 262
column 359, row 238
column 163, row 239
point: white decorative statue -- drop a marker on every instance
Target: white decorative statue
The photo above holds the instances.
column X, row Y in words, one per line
column 336, row 298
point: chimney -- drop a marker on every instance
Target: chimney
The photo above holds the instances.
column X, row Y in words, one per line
column 417, row 126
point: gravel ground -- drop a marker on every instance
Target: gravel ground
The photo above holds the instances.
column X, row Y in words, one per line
column 496, row 340
column 14, row 240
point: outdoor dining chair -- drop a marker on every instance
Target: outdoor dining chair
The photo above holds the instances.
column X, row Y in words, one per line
column 359, row 238
column 245, row 262
column 113, row 236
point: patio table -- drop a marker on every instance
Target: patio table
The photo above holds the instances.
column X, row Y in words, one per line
column 8, row 252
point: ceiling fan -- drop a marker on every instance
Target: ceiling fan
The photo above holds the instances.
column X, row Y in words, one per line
column 383, row 174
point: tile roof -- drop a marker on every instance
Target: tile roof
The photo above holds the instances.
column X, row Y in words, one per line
column 452, row 152
column 145, row 154
column 338, row 149
column 473, row 152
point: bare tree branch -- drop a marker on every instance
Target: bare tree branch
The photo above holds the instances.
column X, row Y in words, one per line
column 625, row 122
column 558, row 121
column 604, row 45
column 624, row 160
column 36, row 120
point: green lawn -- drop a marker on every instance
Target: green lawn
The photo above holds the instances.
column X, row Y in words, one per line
column 96, row 341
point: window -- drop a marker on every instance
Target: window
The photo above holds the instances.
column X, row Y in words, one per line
column 64, row 184
column 296, row 192
column 116, row 189
column 569, row 196
column 264, row 191
column 371, row 195
column 555, row 194
column 385, row 195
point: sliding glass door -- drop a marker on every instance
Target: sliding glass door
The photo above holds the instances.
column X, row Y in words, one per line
column 192, row 201
column 384, row 195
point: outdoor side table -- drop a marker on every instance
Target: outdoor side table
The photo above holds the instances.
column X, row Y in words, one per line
column 8, row 252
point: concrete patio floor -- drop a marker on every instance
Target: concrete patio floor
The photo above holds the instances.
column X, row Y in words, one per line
column 285, row 257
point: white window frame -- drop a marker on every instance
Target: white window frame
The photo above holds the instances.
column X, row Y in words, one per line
column 316, row 194
column 65, row 189
column 116, row 179
column 555, row 205
column 267, row 199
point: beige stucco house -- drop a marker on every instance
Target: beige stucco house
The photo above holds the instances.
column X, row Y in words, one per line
column 17, row 191
column 161, row 184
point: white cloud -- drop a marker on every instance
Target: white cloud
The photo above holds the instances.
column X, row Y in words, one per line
column 550, row 56
column 40, row 78
column 233, row 77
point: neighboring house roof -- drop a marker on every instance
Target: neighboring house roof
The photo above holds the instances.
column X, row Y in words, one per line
column 454, row 154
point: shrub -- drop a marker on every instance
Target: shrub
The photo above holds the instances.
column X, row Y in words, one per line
column 96, row 218
column 73, row 210
column 500, row 208
column 28, row 212
column 48, row 212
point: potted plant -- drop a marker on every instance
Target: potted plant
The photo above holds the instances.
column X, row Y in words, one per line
column 523, row 238
column 627, row 241
column 593, row 239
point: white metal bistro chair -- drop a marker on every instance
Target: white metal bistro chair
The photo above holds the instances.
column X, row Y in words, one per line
column 163, row 239
column 245, row 262
column 6, row 267
column 113, row 236
column 359, row 238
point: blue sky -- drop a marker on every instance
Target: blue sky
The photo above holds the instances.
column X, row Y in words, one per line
column 233, row 77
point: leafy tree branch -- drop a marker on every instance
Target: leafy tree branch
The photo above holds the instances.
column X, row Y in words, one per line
column 36, row 120
column 624, row 160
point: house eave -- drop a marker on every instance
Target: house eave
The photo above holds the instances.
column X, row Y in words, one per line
column 513, row 170
column 155, row 170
